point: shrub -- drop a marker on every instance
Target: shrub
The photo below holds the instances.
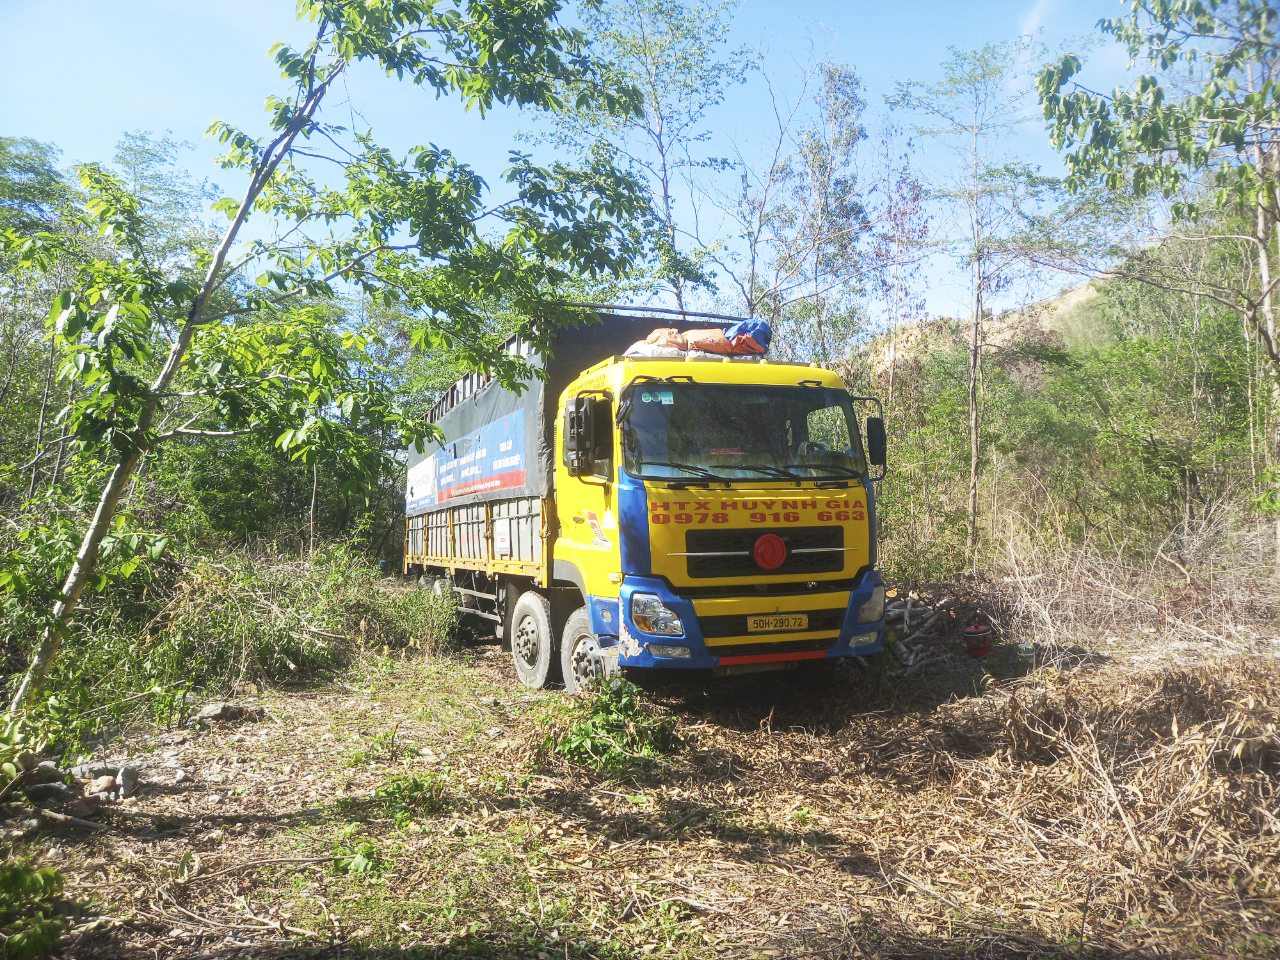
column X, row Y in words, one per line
column 31, row 918
column 141, row 644
column 614, row 731
column 277, row 621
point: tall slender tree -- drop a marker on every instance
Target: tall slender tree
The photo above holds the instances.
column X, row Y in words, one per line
column 801, row 217
column 411, row 228
column 34, row 196
column 900, row 245
column 676, row 54
column 973, row 109
column 1201, row 126
column 819, row 235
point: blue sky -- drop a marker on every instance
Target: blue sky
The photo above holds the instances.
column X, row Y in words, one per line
column 79, row 73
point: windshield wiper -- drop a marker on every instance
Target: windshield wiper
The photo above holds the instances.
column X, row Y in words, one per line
column 839, row 469
column 698, row 471
column 829, row 474
column 768, row 469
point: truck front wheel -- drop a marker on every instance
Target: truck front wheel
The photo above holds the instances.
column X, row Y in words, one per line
column 579, row 653
column 532, row 639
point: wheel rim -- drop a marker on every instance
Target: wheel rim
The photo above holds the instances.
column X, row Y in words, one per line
column 582, row 659
column 526, row 642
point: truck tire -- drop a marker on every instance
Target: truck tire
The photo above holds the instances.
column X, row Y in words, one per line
column 579, row 653
column 532, row 640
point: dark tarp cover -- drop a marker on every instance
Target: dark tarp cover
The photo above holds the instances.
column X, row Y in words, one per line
column 499, row 444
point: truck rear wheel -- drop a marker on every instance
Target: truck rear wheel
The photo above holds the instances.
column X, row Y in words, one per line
column 532, row 640
column 579, row 653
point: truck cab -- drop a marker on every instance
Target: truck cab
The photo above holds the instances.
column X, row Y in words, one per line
column 714, row 515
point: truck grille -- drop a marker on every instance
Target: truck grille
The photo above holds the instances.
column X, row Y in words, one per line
column 728, row 553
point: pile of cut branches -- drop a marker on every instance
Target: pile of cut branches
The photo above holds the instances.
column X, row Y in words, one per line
column 1126, row 806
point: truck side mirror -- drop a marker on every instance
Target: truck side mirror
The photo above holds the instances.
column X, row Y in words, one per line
column 577, row 437
column 876, row 442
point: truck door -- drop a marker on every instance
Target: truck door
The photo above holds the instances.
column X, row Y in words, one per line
column 585, row 502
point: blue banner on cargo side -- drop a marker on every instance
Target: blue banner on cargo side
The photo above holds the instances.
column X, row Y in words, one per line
column 490, row 458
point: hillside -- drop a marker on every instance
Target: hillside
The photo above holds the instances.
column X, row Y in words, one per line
column 1048, row 321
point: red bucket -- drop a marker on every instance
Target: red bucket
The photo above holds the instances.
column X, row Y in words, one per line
column 977, row 640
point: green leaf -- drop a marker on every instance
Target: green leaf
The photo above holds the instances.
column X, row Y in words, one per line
column 61, row 305
column 157, row 548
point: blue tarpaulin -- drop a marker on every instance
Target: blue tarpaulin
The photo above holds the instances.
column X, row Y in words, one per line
column 753, row 328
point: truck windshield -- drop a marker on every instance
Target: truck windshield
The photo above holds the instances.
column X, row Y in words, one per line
column 730, row 432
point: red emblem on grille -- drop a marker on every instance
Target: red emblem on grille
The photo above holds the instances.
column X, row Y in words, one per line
column 770, row 551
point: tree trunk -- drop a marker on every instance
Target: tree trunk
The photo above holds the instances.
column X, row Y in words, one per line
column 975, row 449
column 668, row 207
column 109, row 499
column 61, row 457
column 1266, row 161
column 77, row 579
column 977, row 234
column 44, row 410
column 895, row 310
column 311, row 514
column 975, row 366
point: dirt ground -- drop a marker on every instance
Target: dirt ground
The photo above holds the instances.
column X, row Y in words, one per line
column 1093, row 805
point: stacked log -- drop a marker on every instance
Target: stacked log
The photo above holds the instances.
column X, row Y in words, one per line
column 924, row 629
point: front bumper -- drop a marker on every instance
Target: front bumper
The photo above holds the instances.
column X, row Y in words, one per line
column 715, row 633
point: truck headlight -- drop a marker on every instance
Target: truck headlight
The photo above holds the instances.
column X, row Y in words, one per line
column 651, row 615
column 873, row 609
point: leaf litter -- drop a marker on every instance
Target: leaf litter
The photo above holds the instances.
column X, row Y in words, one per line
column 1120, row 807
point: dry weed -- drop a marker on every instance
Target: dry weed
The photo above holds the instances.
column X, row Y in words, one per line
column 1194, row 590
column 1153, row 794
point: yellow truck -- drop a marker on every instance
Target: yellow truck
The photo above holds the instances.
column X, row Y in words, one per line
column 685, row 512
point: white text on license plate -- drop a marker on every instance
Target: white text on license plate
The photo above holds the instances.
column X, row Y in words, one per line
column 781, row 621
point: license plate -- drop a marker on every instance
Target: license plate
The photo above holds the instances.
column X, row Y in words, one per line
column 781, row 621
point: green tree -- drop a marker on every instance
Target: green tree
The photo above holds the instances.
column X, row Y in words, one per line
column 413, row 228
column 171, row 203
column 674, row 52
column 32, row 190
column 901, row 242
column 1201, row 126
column 923, row 498
column 34, row 195
column 171, row 209
column 1140, row 433
column 804, row 223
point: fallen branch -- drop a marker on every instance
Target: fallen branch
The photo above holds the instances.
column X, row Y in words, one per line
column 66, row 819
column 254, row 864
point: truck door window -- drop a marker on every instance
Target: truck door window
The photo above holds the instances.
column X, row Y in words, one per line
column 602, row 437
column 600, row 453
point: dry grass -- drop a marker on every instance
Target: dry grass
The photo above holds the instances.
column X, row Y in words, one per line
column 1207, row 587
column 1123, row 808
